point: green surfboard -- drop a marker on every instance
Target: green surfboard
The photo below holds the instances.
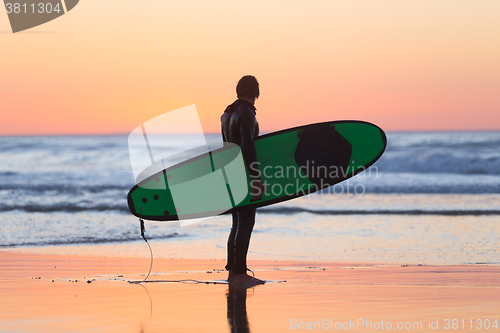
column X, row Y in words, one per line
column 292, row 163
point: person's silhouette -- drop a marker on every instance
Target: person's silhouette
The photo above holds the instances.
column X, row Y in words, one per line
column 239, row 126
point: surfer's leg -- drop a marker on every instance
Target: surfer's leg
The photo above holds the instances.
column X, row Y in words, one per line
column 246, row 221
column 230, row 243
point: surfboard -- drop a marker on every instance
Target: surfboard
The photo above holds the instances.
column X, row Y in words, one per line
column 292, row 163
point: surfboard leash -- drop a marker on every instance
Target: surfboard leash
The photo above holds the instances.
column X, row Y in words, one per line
column 143, row 230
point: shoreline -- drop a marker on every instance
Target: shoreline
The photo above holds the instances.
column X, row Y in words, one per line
column 40, row 293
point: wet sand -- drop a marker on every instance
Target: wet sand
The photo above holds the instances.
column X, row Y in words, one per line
column 52, row 293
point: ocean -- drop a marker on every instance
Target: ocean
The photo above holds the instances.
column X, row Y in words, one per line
column 432, row 198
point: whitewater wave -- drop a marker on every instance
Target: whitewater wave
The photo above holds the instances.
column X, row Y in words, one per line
column 123, row 209
column 298, row 210
column 439, row 162
column 66, row 208
column 87, row 240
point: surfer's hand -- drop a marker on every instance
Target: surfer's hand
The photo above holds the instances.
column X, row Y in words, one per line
column 258, row 189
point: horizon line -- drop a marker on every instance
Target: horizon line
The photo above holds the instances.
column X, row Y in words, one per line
column 218, row 133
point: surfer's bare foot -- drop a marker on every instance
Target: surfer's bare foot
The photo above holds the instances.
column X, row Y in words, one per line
column 247, row 280
column 230, row 277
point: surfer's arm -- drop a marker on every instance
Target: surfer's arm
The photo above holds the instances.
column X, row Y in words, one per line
column 224, row 139
column 247, row 124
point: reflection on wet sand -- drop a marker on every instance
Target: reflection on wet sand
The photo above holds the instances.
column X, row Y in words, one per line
column 42, row 293
column 237, row 309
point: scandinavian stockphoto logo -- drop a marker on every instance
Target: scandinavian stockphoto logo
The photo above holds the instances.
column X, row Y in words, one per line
column 27, row 14
column 182, row 175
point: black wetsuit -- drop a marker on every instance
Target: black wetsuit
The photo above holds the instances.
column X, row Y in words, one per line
column 240, row 127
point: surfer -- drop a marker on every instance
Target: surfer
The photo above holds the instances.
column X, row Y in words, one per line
column 239, row 126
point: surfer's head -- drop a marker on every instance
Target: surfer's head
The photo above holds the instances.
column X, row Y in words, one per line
column 248, row 86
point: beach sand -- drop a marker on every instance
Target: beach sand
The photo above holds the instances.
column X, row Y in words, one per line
column 63, row 293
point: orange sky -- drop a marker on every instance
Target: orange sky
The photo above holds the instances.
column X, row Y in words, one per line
column 108, row 66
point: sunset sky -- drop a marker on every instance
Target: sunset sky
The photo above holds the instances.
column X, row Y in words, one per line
column 108, row 66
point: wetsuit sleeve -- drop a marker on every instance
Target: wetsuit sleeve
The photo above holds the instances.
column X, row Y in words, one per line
column 247, row 129
column 224, row 139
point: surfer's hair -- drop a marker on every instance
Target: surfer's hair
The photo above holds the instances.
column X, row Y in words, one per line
column 248, row 86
